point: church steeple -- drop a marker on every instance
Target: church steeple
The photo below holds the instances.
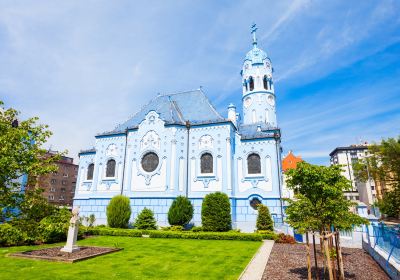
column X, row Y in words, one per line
column 258, row 88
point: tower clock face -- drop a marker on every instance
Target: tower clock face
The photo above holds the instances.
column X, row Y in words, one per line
column 247, row 101
column 271, row 100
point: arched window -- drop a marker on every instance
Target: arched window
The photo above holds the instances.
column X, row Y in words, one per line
column 265, row 82
column 253, row 164
column 245, row 85
column 89, row 175
column 206, row 163
column 251, row 83
column 110, row 169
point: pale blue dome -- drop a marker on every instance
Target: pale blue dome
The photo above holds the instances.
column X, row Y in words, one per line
column 256, row 55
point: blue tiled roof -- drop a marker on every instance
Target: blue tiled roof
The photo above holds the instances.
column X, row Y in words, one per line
column 192, row 106
column 250, row 131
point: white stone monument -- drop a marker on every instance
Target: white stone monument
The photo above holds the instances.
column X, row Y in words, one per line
column 71, row 246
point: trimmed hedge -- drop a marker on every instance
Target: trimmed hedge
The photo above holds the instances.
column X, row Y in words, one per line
column 183, row 234
column 118, row 212
column 216, row 212
column 181, row 211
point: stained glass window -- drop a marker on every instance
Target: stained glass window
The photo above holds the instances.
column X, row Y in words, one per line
column 206, row 163
column 253, row 164
column 150, row 162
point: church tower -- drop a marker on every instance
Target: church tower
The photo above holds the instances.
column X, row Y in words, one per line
column 258, row 88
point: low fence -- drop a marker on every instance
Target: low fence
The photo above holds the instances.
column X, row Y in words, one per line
column 383, row 244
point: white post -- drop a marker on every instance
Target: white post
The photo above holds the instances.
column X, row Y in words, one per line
column 71, row 246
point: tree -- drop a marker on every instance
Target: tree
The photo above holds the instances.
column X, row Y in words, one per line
column 264, row 219
column 181, row 212
column 145, row 220
column 320, row 205
column 118, row 212
column 382, row 164
column 21, row 153
column 216, row 212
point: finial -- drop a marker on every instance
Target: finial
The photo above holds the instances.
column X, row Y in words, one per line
column 253, row 31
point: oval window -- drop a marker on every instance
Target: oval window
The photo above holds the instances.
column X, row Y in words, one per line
column 150, row 162
column 254, row 203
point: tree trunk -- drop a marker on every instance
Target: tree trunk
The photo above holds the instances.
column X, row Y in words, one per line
column 321, row 246
column 328, row 258
column 308, row 258
column 315, row 257
column 340, row 258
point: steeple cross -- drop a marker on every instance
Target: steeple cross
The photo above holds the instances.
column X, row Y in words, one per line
column 253, row 31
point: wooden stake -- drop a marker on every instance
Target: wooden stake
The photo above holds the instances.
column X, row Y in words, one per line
column 308, row 258
column 315, row 257
column 340, row 258
column 328, row 258
column 333, row 259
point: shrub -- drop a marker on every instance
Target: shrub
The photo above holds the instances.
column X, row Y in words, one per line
column 216, row 212
column 285, row 238
column 173, row 228
column 118, row 212
column 181, row 212
column 267, row 234
column 145, row 220
column 264, row 219
column 197, row 229
column 54, row 228
column 11, row 236
column 206, row 235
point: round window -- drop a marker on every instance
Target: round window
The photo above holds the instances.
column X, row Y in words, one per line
column 254, row 203
column 150, row 162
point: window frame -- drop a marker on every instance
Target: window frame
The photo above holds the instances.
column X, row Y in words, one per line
column 212, row 164
column 155, row 168
column 260, row 165
column 87, row 172
column 106, row 169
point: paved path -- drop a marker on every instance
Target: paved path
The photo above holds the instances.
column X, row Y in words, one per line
column 255, row 269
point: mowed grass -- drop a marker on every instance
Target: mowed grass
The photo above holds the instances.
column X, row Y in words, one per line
column 142, row 258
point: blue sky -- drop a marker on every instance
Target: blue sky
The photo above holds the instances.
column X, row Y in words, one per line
column 85, row 66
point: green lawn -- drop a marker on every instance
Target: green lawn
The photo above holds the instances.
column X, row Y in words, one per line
column 142, row 258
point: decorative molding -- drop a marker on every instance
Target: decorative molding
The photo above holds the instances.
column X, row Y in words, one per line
column 206, row 142
column 150, row 140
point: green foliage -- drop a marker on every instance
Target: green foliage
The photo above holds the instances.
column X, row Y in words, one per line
column 207, row 235
column 21, row 153
column 181, row 211
column 173, row 228
column 145, row 220
column 87, row 221
column 390, row 204
column 319, row 201
column 267, row 234
column 383, row 166
column 119, row 212
column 54, row 228
column 216, row 212
column 264, row 219
column 11, row 236
column 196, row 229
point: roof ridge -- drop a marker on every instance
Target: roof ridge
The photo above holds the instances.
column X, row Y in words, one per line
column 180, row 92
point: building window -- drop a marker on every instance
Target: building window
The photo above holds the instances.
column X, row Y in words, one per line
column 52, row 189
column 89, row 175
column 64, row 183
column 62, row 189
column 251, row 83
column 110, row 168
column 265, row 82
column 206, row 163
column 245, row 85
column 65, row 175
column 150, row 162
column 53, row 181
column 253, row 164
column 61, row 197
column 51, row 197
column 254, row 203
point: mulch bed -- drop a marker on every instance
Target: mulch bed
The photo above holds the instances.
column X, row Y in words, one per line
column 54, row 254
column 288, row 261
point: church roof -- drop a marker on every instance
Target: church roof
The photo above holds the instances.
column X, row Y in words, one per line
column 192, row 106
column 256, row 131
column 256, row 55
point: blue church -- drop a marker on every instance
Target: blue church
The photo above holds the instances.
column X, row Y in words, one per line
column 178, row 144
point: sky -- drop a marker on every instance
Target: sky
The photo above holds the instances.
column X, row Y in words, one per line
column 85, row 66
